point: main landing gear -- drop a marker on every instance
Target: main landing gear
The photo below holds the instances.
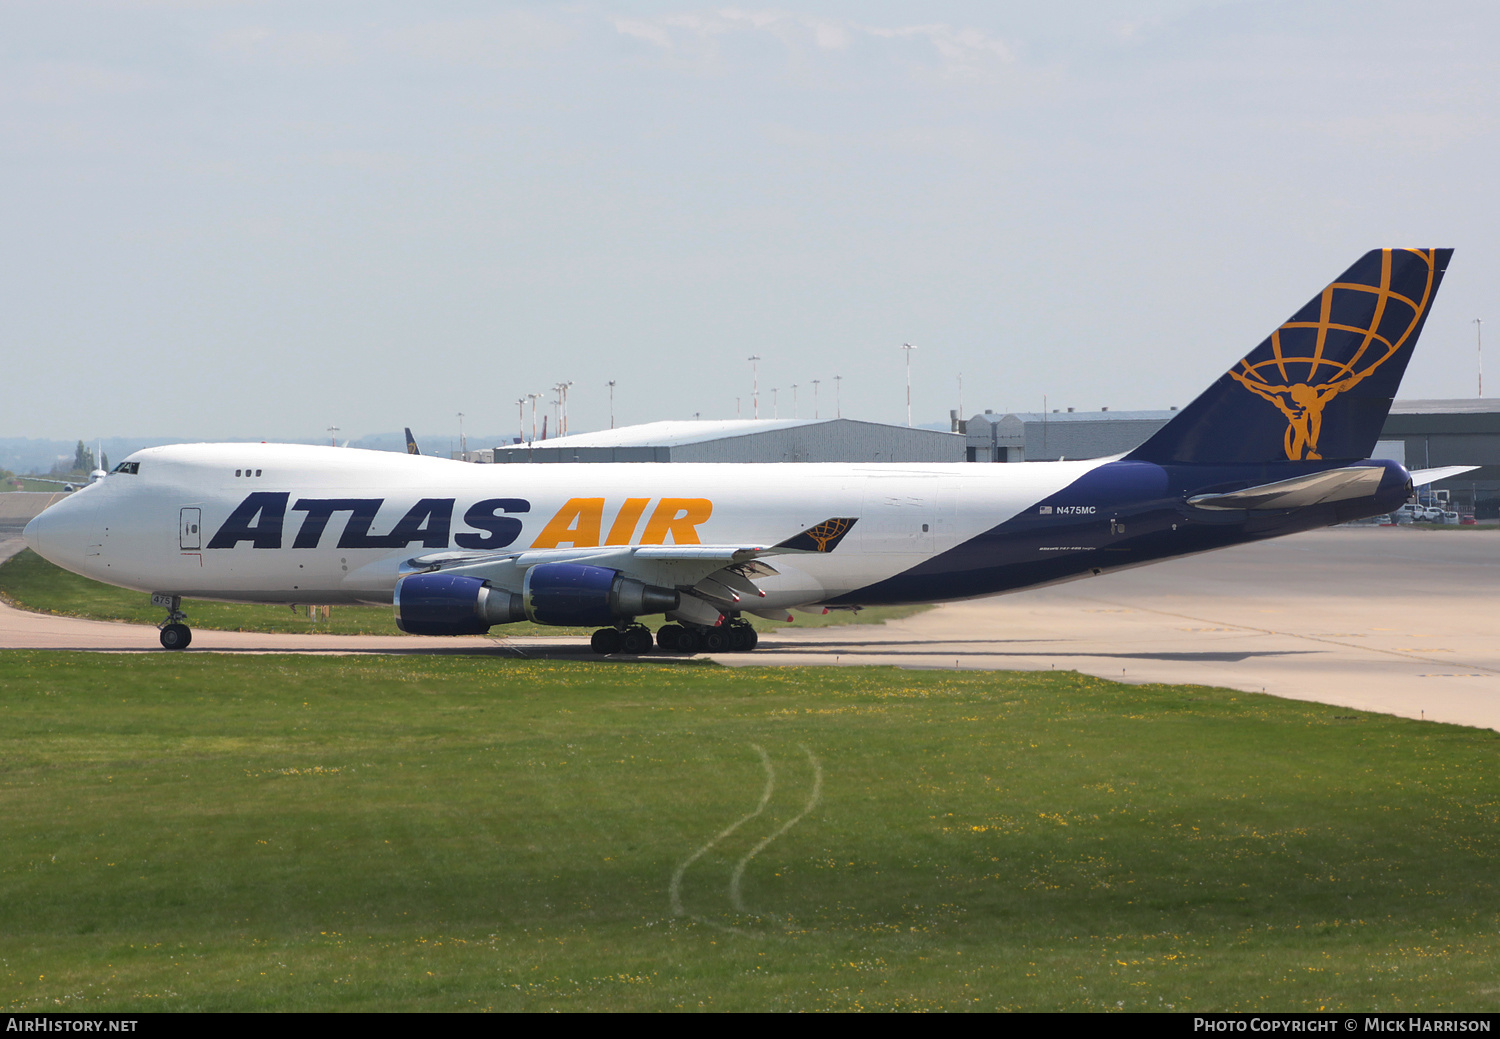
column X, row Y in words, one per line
column 737, row 636
column 174, row 633
column 633, row 640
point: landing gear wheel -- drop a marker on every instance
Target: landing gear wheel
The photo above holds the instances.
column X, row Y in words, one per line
column 635, row 640
column 688, row 641
column 715, row 640
column 742, row 638
column 605, row 641
column 667, row 636
column 176, row 636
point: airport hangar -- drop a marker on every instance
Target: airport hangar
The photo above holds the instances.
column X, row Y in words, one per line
column 1418, row 433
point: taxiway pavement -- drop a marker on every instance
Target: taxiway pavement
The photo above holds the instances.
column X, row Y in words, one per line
column 1395, row 620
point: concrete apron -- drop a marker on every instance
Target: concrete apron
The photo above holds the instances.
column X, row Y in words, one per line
column 1397, row 621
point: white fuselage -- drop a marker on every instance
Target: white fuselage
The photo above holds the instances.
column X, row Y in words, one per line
column 154, row 530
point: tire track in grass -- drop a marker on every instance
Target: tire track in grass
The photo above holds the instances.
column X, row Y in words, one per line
column 738, row 875
column 674, row 890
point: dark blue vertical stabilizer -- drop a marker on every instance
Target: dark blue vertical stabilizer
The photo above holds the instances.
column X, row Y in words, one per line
column 1321, row 385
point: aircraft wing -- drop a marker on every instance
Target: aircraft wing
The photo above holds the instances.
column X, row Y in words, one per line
column 721, row 573
column 1422, row 477
column 1355, row 481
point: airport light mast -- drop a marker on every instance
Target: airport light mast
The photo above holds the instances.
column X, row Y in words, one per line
column 463, row 445
column 611, row 404
column 815, row 397
column 794, row 400
column 562, row 389
column 521, row 419
column 533, row 397
column 1479, row 350
column 333, row 440
column 908, row 348
column 755, row 385
column 838, row 403
column 775, row 410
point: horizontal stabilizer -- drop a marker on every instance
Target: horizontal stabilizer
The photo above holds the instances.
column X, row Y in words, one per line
column 1422, row 477
column 1358, row 481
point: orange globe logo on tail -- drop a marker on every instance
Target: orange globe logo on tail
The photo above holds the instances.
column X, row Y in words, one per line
column 1313, row 361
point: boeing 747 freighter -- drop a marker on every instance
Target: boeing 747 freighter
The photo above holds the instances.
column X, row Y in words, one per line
column 1279, row 444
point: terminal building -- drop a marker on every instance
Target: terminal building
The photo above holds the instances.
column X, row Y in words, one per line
column 1042, row 436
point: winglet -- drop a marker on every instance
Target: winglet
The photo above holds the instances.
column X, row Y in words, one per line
column 411, row 443
column 825, row 537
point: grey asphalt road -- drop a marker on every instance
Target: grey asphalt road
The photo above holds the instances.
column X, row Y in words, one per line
column 1395, row 620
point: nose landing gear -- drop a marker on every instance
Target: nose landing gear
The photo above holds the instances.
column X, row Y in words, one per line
column 174, row 633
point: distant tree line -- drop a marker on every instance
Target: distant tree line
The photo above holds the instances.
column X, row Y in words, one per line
column 84, row 461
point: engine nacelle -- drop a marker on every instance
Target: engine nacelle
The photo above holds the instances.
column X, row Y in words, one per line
column 577, row 594
column 447, row 604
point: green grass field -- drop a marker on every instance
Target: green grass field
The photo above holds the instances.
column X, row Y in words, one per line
column 30, row 582
column 52, row 484
column 209, row 832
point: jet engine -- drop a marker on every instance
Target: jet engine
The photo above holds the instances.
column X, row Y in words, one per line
column 447, row 604
column 577, row 594
column 553, row 593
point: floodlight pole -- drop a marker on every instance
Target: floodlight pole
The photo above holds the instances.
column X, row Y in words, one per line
column 775, row 411
column 333, row 440
column 463, row 445
column 611, row 404
column 794, row 400
column 838, row 402
column 908, row 348
column 1479, row 350
column 815, row 397
column 755, row 385
column 521, row 418
column 533, row 397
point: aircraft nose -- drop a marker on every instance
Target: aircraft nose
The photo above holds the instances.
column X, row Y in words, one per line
column 65, row 533
column 32, row 535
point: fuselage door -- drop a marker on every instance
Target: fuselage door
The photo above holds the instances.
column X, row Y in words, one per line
column 188, row 536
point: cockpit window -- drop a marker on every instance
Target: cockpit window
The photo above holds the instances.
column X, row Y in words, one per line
column 127, row 467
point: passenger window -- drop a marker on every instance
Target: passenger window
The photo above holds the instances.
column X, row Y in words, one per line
column 257, row 472
column 236, row 472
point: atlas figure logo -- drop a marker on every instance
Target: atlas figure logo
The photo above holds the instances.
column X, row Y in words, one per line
column 1332, row 345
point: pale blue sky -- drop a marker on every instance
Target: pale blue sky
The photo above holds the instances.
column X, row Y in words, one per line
column 226, row 219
